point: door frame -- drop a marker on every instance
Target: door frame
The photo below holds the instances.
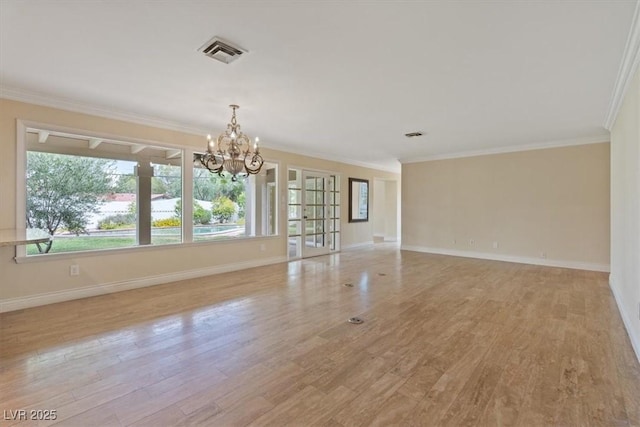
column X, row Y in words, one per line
column 325, row 249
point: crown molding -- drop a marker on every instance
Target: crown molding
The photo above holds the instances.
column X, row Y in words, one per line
column 22, row 95
column 332, row 158
column 510, row 149
column 628, row 68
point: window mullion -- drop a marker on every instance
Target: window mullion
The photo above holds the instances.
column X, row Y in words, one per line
column 144, row 172
column 187, row 196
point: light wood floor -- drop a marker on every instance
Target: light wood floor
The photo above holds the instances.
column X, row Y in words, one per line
column 446, row 341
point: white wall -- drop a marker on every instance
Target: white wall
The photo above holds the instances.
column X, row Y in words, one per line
column 548, row 206
column 391, row 217
column 386, row 204
column 47, row 279
column 378, row 204
column 625, row 211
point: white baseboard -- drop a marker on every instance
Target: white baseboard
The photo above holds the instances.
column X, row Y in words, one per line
column 377, row 238
column 107, row 288
column 510, row 258
column 626, row 319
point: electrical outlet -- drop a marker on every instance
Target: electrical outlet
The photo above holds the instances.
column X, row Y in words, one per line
column 263, row 247
column 543, row 255
column 495, row 245
column 454, row 241
column 472, row 242
column 74, row 270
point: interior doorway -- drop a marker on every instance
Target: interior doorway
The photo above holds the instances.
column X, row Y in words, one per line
column 386, row 207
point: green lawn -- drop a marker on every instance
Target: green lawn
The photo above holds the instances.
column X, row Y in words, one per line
column 87, row 243
column 220, row 237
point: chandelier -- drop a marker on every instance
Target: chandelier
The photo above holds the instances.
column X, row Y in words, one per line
column 231, row 152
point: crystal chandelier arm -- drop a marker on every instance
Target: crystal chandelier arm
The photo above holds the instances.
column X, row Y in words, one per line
column 211, row 164
column 255, row 165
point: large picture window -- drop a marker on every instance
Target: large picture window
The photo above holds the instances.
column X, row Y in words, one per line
column 92, row 194
column 227, row 209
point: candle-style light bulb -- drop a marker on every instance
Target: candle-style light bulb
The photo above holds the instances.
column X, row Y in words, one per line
column 255, row 144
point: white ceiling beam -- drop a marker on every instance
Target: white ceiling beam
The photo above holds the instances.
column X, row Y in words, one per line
column 172, row 154
column 94, row 142
column 42, row 136
column 136, row 148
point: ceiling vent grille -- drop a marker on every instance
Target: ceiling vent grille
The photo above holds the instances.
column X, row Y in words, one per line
column 222, row 50
column 413, row 134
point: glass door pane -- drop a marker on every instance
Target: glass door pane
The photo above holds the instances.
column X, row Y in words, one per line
column 294, row 229
column 315, row 217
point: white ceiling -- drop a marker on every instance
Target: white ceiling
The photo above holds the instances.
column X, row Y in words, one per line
column 335, row 78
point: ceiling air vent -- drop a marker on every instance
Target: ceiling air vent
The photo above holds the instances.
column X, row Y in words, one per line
column 221, row 50
column 413, row 134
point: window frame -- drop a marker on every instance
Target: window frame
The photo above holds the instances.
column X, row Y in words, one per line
column 22, row 127
column 336, row 245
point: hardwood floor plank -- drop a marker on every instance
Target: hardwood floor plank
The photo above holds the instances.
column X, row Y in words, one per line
column 446, row 341
column 242, row 413
column 301, row 405
column 361, row 410
column 394, row 410
column 169, row 416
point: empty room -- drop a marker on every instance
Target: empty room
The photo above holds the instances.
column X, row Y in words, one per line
column 319, row 213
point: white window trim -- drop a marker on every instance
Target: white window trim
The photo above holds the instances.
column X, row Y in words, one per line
column 187, row 192
column 21, row 182
column 286, row 213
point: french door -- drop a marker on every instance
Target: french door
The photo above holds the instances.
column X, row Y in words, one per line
column 315, row 214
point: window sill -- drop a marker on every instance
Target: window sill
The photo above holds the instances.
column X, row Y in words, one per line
column 135, row 249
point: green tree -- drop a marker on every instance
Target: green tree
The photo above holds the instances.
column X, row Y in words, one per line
column 223, row 208
column 204, row 185
column 242, row 203
column 200, row 214
column 63, row 190
column 231, row 189
column 208, row 186
column 159, row 186
column 126, row 184
column 167, row 180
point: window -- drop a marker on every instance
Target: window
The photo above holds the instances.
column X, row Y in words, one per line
column 166, row 204
column 226, row 209
column 95, row 194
